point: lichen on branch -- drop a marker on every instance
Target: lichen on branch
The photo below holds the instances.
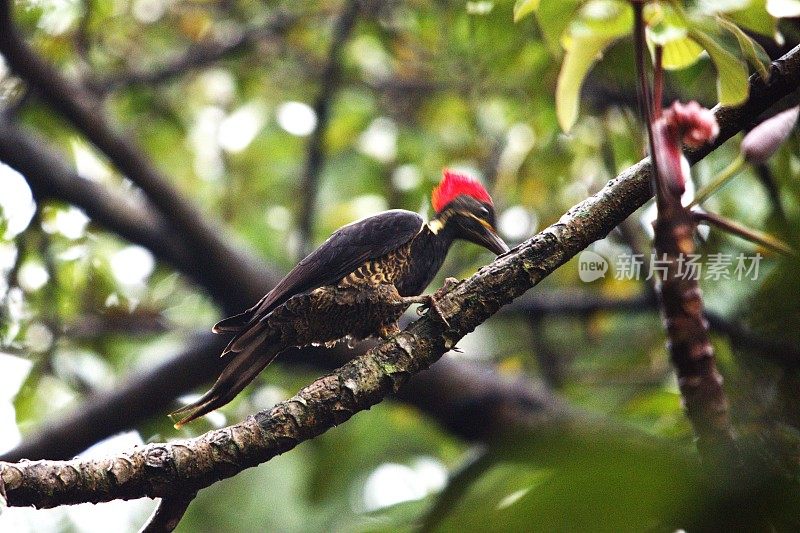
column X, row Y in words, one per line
column 164, row 469
column 180, row 467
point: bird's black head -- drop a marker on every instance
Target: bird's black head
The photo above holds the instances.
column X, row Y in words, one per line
column 464, row 210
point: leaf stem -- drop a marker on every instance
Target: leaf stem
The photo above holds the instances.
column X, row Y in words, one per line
column 764, row 239
column 728, row 173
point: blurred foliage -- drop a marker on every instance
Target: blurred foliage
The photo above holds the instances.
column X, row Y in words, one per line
column 425, row 85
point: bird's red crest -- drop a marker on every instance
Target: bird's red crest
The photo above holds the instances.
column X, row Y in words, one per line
column 453, row 185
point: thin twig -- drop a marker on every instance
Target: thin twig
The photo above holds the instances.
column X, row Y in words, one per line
column 744, row 232
column 643, row 87
column 196, row 57
column 457, row 486
column 728, row 173
column 206, row 243
column 331, row 77
column 658, row 82
column 767, row 180
column 168, row 514
column 146, row 395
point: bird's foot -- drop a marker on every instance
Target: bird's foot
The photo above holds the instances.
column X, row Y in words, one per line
column 430, row 302
column 388, row 331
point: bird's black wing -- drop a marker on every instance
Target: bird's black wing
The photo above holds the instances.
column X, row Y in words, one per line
column 343, row 252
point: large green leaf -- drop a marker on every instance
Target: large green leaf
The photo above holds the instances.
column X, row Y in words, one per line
column 753, row 52
column 579, row 483
column 601, row 22
column 755, row 17
column 554, row 18
column 668, row 27
column 732, row 84
column 582, row 52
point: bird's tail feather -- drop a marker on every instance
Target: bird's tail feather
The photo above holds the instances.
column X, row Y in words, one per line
column 242, row 369
column 233, row 324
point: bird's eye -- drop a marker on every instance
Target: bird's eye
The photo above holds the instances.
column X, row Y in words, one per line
column 483, row 212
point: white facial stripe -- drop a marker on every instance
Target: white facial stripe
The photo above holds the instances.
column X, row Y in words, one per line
column 435, row 225
column 481, row 222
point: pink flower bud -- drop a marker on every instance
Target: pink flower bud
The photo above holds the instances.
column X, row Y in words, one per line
column 765, row 139
column 689, row 124
column 692, row 123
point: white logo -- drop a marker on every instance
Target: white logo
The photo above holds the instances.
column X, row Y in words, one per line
column 591, row 266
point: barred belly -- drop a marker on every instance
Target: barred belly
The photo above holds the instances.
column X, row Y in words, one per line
column 383, row 270
column 333, row 313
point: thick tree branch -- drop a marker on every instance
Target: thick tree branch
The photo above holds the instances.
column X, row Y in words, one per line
column 159, row 470
column 133, row 401
column 468, row 399
column 135, row 220
column 85, row 112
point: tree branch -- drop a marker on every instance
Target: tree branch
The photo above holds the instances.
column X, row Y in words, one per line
column 198, row 56
column 137, row 221
column 470, row 400
column 84, row 111
column 135, row 400
column 159, row 470
column 330, row 79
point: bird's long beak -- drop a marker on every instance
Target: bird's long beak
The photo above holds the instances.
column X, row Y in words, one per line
column 489, row 238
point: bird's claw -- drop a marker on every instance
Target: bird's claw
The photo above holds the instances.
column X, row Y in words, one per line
column 432, row 301
column 432, row 305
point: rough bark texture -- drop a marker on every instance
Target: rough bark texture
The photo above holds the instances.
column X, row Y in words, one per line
column 159, row 470
column 689, row 346
column 167, row 469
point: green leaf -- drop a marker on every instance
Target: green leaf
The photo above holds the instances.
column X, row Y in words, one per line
column 582, row 52
column 680, row 53
column 601, row 23
column 732, row 84
column 565, row 482
column 523, row 8
column 668, row 28
column 755, row 17
column 554, row 18
column 753, row 52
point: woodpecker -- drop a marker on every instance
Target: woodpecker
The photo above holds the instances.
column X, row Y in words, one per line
column 356, row 285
